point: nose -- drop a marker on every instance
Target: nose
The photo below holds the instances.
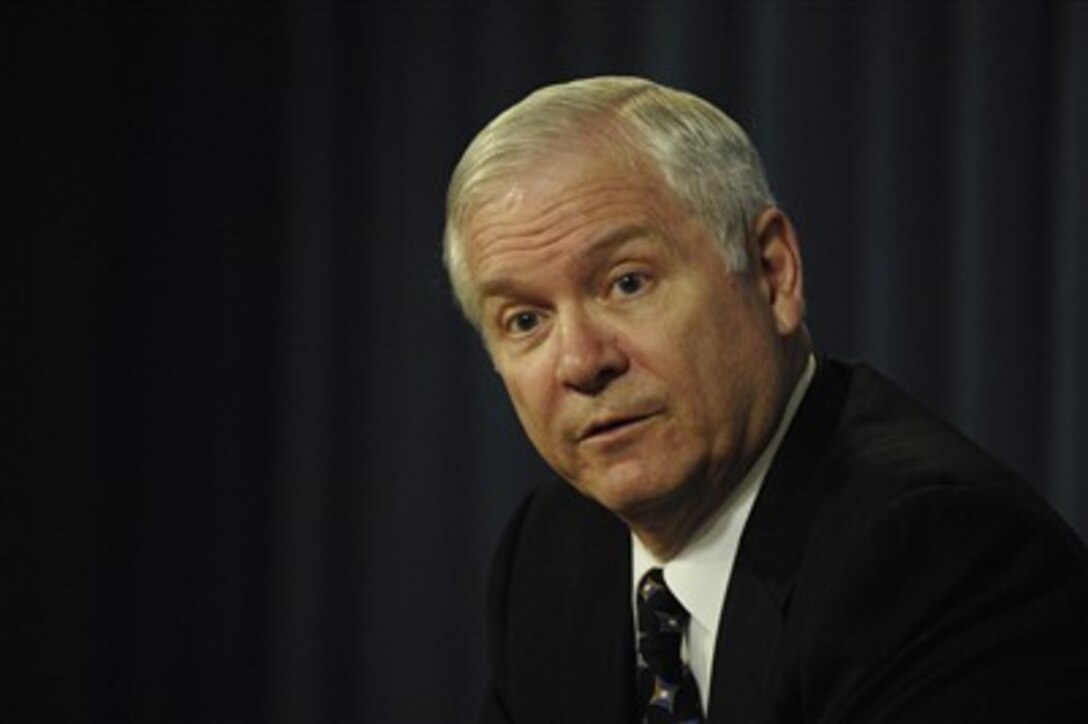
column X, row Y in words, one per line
column 590, row 355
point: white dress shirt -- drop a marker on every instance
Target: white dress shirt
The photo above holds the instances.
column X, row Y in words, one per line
column 699, row 575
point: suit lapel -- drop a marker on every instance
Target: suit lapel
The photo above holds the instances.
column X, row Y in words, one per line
column 770, row 551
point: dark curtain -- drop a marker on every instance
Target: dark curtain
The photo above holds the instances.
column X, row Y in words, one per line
column 261, row 463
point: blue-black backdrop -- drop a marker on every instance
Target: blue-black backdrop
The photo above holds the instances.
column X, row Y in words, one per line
column 266, row 462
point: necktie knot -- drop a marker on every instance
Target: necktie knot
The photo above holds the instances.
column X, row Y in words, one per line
column 658, row 608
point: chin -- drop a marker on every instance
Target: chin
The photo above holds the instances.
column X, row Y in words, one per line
column 631, row 496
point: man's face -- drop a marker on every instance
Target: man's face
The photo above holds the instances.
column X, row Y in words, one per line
column 644, row 372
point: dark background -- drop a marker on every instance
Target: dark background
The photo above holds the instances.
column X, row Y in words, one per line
column 260, row 463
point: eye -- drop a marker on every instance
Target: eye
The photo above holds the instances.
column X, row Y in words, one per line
column 630, row 284
column 522, row 322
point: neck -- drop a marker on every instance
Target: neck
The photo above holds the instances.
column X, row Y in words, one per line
column 666, row 541
column 667, row 527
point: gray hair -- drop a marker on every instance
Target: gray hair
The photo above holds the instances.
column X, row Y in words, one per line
column 705, row 158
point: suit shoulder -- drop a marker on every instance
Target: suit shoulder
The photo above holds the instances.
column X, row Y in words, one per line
column 891, row 459
column 932, row 578
column 555, row 525
column 888, row 446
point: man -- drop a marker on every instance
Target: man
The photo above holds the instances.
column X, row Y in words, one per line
column 745, row 532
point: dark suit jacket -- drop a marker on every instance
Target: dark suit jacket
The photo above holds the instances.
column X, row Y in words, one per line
column 890, row 571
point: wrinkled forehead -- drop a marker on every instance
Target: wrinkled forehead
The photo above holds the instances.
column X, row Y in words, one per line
column 559, row 207
column 501, row 161
column 551, row 178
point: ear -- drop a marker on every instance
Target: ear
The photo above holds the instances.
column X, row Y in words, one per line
column 779, row 269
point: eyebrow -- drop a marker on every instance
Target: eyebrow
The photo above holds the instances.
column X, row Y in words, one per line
column 599, row 247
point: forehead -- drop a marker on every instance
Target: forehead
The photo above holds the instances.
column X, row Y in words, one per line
column 564, row 197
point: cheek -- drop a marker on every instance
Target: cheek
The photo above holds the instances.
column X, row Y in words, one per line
column 709, row 362
column 531, row 396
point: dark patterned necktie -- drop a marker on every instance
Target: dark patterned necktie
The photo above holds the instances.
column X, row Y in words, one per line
column 666, row 689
